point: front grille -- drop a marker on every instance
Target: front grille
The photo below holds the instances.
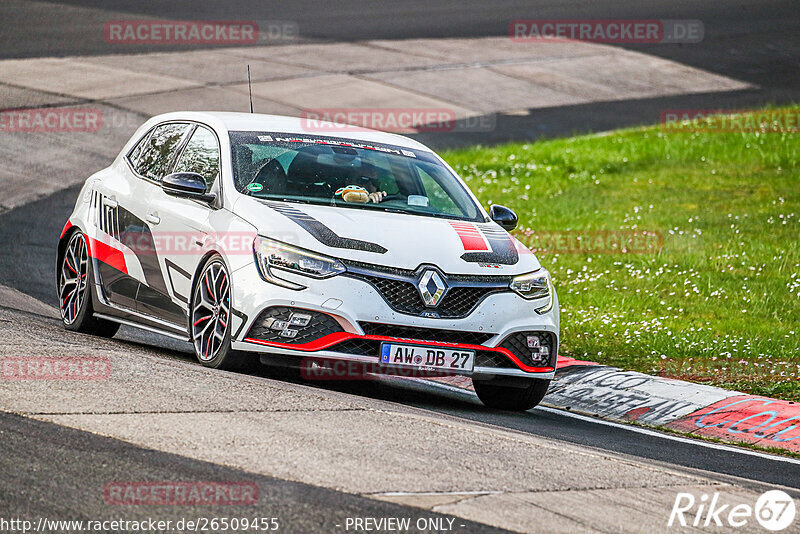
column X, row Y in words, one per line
column 264, row 329
column 459, row 301
column 399, row 289
column 518, row 345
column 485, row 358
column 402, row 296
column 425, row 334
column 361, row 347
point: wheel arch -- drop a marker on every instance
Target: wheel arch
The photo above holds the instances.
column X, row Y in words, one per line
column 199, row 269
column 231, row 360
column 66, row 234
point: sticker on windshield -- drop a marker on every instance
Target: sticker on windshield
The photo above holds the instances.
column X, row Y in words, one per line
column 255, row 187
column 265, row 138
column 348, row 143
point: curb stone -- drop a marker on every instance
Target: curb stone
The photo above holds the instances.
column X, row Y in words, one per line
column 697, row 409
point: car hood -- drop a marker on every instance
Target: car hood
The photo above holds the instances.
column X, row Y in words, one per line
column 390, row 239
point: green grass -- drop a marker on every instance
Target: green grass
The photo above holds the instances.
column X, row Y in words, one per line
column 720, row 301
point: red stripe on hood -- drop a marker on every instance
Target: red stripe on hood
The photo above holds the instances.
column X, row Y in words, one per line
column 471, row 237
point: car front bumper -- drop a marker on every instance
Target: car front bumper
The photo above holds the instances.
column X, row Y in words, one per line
column 366, row 320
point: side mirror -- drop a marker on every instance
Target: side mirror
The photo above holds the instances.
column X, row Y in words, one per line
column 504, row 216
column 186, row 185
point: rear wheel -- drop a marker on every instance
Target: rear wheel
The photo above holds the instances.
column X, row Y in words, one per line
column 210, row 317
column 517, row 394
column 74, row 293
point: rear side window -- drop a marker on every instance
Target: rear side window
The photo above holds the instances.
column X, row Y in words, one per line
column 134, row 154
column 201, row 155
column 157, row 150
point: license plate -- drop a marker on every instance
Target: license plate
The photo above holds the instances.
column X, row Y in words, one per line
column 427, row 358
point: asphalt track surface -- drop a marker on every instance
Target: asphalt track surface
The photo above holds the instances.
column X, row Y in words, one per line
column 758, row 43
column 73, row 467
column 28, row 267
column 755, row 42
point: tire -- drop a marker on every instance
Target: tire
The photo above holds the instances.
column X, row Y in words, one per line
column 74, row 278
column 209, row 319
column 495, row 394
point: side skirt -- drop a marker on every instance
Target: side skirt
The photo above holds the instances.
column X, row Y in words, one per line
column 112, row 312
column 184, row 337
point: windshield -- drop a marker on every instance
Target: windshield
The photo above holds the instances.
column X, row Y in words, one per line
column 347, row 174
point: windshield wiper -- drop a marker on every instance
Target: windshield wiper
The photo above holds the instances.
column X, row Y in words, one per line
column 441, row 216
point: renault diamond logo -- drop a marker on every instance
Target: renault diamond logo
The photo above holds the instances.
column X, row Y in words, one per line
column 431, row 288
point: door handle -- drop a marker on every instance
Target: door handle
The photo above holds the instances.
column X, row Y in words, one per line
column 111, row 202
column 153, row 218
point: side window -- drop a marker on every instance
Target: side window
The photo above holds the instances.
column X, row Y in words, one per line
column 134, row 154
column 201, row 155
column 156, row 155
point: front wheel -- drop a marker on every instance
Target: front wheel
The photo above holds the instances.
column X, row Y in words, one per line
column 516, row 394
column 210, row 318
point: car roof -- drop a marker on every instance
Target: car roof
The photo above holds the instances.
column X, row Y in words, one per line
column 290, row 125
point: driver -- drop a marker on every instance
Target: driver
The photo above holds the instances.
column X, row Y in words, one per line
column 361, row 174
column 369, row 181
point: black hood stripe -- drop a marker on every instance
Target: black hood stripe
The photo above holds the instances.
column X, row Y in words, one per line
column 322, row 233
column 504, row 251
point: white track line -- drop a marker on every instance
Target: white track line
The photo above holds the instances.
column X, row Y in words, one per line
column 646, row 431
column 681, row 439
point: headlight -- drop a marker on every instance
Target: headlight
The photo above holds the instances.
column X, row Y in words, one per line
column 534, row 286
column 274, row 256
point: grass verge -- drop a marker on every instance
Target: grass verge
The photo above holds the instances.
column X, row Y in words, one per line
column 673, row 253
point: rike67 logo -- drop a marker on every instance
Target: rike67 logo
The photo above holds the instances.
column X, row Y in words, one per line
column 774, row 510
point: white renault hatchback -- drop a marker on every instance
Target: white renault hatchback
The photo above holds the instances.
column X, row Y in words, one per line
column 248, row 234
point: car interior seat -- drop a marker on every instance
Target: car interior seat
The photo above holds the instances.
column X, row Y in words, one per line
column 272, row 177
